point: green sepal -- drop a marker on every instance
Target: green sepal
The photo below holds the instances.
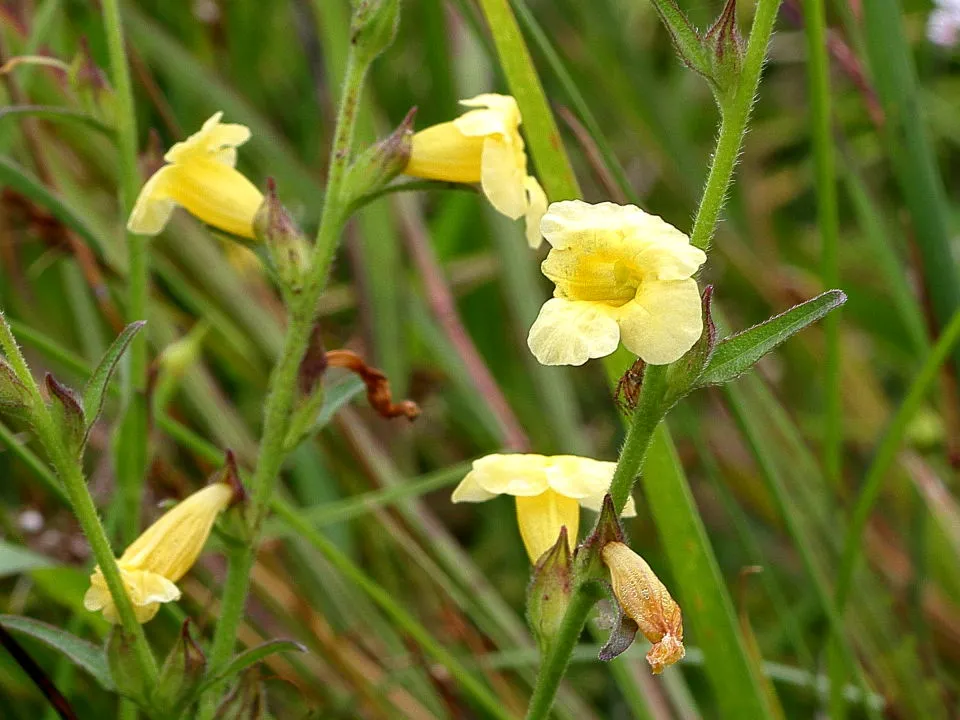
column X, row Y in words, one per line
column 246, row 701
column 725, row 49
column 374, row 27
column 66, row 409
column 380, row 163
column 124, row 668
column 15, row 397
column 289, row 250
column 181, row 675
column 588, row 563
column 549, row 591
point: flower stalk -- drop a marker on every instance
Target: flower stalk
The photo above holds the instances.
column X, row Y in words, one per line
column 282, row 388
column 650, row 408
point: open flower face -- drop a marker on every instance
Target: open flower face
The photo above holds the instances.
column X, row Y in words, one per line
column 483, row 146
column 200, row 176
column 549, row 493
column 620, row 274
column 162, row 555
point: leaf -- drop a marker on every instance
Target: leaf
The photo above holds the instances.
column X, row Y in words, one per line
column 309, row 419
column 251, row 657
column 96, row 387
column 15, row 559
column 737, row 354
column 83, row 654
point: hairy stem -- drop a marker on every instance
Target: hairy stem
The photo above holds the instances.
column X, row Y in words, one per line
column 282, row 387
column 733, row 125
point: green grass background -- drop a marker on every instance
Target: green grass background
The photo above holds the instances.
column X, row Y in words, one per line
column 778, row 468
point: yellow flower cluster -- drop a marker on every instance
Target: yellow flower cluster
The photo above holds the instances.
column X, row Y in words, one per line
column 162, row 555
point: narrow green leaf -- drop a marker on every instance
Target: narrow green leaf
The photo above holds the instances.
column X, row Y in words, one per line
column 30, row 187
column 83, row 654
column 58, row 114
column 96, row 387
column 251, row 657
column 15, row 559
column 737, row 354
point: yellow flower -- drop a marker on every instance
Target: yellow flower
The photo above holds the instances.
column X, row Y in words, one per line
column 620, row 274
column 548, row 490
column 161, row 555
column 648, row 603
column 483, row 146
column 200, row 177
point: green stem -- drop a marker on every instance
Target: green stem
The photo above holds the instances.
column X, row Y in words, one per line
column 650, row 410
column 283, row 380
column 131, row 446
column 70, row 472
column 733, row 125
column 828, row 223
column 647, row 415
column 554, row 664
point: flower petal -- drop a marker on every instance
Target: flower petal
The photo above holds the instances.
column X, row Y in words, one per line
column 540, row 519
column 469, row 490
column 663, row 322
column 536, row 207
column 214, row 141
column 670, row 259
column 569, row 332
column 579, row 477
column 154, row 205
column 502, row 176
column 442, row 152
column 514, row 474
column 499, row 115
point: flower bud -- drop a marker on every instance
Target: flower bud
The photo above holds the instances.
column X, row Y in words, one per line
column 181, row 674
column 66, row 409
column 174, row 362
column 645, row 600
column 380, row 163
column 15, row 398
column 725, row 49
column 124, row 668
column 374, row 27
column 549, row 591
column 247, row 700
column 685, row 39
column 289, row 250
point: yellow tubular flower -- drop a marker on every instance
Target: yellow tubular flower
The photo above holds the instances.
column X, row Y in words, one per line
column 200, row 177
column 161, row 555
column 648, row 603
column 484, row 146
column 549, row 492
column 620, row 274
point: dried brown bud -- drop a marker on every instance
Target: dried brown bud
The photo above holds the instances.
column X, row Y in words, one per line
column 378, row 387
column 647, row 602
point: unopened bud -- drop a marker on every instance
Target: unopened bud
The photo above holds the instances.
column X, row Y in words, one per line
column 15, row 398
column 374, row 27
column 549, row 592
column 181, row 674
column 725, row 48
column 289, row 250
column 380, row 163
column 685, row 39
column 646, row 601
column 66, row 408
column 124, row 668
column 247, row 700
column 174, row 362
column 91, row 85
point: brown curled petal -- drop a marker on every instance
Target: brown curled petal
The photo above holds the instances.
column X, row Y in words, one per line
column 378, row 387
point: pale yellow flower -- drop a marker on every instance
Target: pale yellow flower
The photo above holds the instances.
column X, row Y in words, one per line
column 484, row 146
column 647, row 602
column 163, row 554
column 200, row 176
column 549, row 492
column 620, row 274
